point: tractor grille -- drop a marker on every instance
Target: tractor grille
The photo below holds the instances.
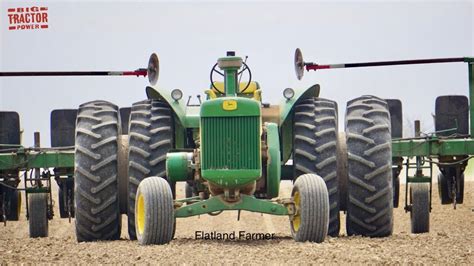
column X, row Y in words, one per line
column 230, row 142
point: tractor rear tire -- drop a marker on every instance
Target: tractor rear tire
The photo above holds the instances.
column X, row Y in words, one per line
column 154, row 217
column 420, row 207
column 96, row 186
column 312, row 203
column 315, row 148
column 370, row 196
column 151, row 136
column 15, row 206
column 38, row 214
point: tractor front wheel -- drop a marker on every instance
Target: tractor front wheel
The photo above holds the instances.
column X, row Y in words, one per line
column 154, row 212
column 311, row 221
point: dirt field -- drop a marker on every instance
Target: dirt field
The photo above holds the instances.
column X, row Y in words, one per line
column 451, row 240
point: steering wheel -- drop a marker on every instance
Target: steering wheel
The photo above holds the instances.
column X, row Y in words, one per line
column 245, row 68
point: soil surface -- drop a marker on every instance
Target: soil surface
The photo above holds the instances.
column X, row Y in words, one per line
column 451, row 240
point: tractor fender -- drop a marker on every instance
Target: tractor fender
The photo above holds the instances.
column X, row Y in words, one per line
column 274, row 161
column 300, row 94
column 286, row 120
column 155, row 93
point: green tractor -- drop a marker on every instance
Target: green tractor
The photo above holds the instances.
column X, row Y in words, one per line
column 232, row 151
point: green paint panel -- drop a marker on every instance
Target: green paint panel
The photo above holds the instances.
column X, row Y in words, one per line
column 28, row 160
column 287, row 105
column 274, row 161
column 246, row 203
column 286, row 139
column 177, row 168
column 230, row 141
column 286, row 118
column 243, row 107
column 419, row 179
column 231, row 178
column 230, row 80
column 188, row 116
column 432, row 147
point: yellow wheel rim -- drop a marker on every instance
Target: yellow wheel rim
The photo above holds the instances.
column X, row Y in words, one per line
column 297, row 218
column 140, row 214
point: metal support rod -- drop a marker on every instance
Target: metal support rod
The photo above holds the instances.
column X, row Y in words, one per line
column 37, row 145
column 419, row 171
column 138, row 72
column 312, row 66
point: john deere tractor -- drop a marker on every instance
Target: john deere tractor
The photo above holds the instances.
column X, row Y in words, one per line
column 232, row 151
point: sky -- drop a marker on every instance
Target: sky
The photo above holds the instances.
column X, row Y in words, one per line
column 189, row 37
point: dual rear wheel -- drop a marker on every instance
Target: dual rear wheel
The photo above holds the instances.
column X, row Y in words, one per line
column 367, row 192
column 97, row 185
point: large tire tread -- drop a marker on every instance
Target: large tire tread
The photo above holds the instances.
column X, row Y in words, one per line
column 315, row 148
column 151, row 137
column 370, row 194
column 96, row 187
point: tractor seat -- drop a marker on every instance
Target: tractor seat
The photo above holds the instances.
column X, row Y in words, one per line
column 254, row 86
